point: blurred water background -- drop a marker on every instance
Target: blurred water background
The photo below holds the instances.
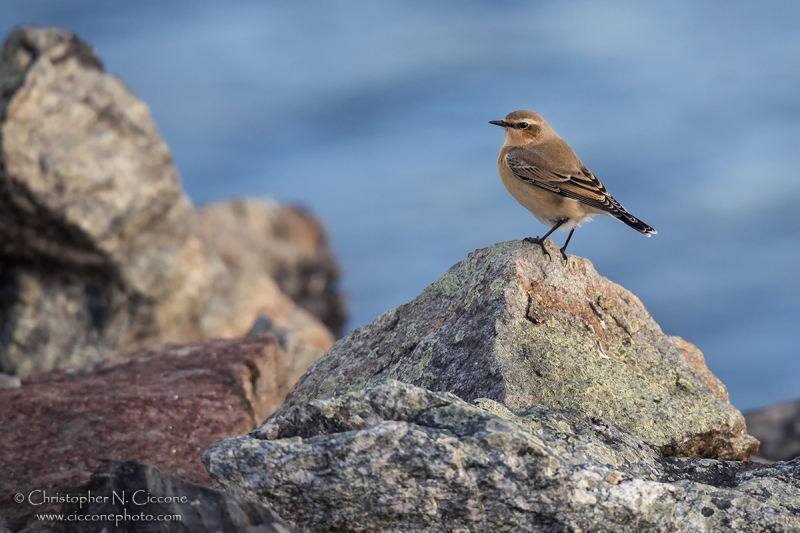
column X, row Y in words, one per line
column 374, row 116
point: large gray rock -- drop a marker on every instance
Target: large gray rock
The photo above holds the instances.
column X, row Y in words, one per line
column 94, row 226
column 399, row 458
column 511, row 325
column 100, row 253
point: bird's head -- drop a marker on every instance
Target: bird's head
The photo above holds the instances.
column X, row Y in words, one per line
column 523, row 127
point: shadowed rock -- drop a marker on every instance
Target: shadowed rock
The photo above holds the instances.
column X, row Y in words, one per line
column 399, row 458
column 509, row 325
column 183, row 507
column 778, row 429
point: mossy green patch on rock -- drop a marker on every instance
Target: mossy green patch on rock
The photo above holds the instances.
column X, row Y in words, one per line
column 330, row 386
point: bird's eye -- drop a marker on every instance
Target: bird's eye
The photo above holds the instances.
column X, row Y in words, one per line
column 522, row 125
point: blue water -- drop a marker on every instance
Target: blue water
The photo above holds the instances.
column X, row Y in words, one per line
column 374, row 115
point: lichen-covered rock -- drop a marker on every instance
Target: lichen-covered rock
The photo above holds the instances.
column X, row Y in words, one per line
column 510, row 325
column 286, row 243
column 399, row 458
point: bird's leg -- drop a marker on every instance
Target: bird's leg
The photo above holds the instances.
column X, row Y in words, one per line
column 564, row 248
column 540, row 240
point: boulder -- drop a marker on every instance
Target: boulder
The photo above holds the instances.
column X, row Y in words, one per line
column 161, row 406
column 778, row 429
column 100, row 250
column 396, row 457
column 511, row 325
column 95, row 231
column 286, row 243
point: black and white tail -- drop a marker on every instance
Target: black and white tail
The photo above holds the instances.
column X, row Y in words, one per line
column 633, row 222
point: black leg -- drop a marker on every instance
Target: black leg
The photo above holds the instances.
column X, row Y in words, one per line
column 540, row 240
column 564, row 248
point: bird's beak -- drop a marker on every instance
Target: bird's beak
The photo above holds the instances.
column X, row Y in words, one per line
column 501, row 123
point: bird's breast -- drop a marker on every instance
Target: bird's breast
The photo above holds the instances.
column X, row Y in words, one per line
column 548, row 207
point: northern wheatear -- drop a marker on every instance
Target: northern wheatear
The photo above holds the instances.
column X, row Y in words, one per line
column 542, row 173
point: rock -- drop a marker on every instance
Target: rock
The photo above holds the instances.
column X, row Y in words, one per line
column 8, row 381
column 778, row 429
column 399, row 458
column 87, row 239
column 286, row 243
column 301, row 353
column 95, row 231
column 152, row 493
column 161, row 406
column 236, row 301
column 509, row 325
column 100, row 252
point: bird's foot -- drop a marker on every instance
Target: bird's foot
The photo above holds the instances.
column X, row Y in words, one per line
column 540, row 242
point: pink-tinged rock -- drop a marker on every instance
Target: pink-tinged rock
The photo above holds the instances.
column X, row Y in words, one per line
column 161, row 406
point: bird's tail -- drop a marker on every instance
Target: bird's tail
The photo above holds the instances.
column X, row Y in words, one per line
column 634, row 222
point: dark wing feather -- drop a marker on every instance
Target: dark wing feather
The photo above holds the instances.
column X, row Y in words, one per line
column 578, row 184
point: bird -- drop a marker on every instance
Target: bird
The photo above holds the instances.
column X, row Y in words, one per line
column 545, row 175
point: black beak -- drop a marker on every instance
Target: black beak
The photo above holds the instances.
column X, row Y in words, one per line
column 501, row 123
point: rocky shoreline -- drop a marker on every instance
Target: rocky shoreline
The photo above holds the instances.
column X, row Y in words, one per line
column 190, row 356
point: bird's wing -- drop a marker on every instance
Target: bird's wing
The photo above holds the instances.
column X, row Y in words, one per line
column 579, row 183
